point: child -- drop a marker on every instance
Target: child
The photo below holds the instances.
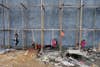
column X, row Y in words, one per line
column 83, row 43
column 33, row 45
column 54, row 43
column 16, row 39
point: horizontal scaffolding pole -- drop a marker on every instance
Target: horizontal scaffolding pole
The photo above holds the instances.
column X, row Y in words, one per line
column 47, row 29
column 67, row 5
column 91, row 6
column 53, row 5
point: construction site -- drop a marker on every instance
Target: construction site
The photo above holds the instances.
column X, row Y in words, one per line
column 49, row 33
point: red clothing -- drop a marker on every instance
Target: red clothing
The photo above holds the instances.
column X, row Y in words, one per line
column 54, row 43
column 38, row 46
column 83, row 43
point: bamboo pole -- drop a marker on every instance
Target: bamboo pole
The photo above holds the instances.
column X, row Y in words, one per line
column 77, row 31
column 60, row 22
column 8, row 27
column 94, row 21
column 12, row 29
column 23, row 28
column 3, row 24
column 42, row 25
column 53, row 5
column 52, row 34
column 81, row 20
column 33, row 36
column 24, row 8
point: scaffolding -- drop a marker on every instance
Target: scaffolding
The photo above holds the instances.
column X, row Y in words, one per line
column 79, row 29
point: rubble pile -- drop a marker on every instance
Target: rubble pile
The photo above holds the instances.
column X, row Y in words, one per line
column 67, row 58
column 54, row 58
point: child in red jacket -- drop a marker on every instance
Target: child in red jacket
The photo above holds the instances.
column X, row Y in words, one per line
column 83, row 44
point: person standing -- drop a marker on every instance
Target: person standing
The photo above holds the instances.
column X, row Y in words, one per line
column 54, row 43
column 83, row 44
column 16, row 39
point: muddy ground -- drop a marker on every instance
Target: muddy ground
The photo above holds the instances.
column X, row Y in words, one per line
column 21, row 58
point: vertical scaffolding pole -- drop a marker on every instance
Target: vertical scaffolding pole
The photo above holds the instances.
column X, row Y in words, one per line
column 81, row 20
column 42, row 25
column 60, row 22
column 3, row 25
column 23, row 23
column 77, row 28
column 52, row 34
column 23, row 28
column 33, row 36
column 8, row 28
column 24, row 35
column 94, row 21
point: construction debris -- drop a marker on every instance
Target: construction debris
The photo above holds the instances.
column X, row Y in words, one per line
column 66, row 58
column 70, row 58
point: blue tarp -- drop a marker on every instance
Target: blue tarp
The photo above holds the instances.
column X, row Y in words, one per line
column 51, row 21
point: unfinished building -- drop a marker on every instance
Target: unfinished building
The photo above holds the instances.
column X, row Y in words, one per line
column 42, row 21
column 67, row 21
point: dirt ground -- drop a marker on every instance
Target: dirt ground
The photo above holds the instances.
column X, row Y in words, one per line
column 21, row 58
